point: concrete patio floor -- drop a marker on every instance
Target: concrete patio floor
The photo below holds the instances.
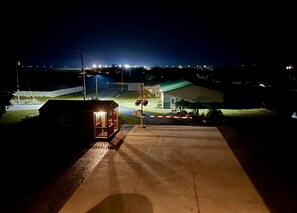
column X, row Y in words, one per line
column 167, row 168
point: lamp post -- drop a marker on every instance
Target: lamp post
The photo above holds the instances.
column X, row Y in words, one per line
column 141, row 88
column 83, row 73
column 17, row 81
column 122, row 77
column 96, row 86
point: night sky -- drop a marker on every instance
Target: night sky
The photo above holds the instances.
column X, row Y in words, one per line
column 50, row 33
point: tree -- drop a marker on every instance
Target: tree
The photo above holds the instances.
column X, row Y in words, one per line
column 196, row 106
column 7, row 83
column 145, row 94
column 5, row 97
column 215, row 115
column 182, row 104
column 150, row 77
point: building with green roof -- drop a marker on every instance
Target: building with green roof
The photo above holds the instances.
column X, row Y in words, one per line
column 172, row 92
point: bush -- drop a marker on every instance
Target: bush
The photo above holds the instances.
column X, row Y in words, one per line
column 215, row 115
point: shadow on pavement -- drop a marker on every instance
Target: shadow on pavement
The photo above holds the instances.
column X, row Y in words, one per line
column 265, row 149
column 125, row 202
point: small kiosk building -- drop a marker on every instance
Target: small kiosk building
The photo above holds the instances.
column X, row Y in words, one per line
column 92, row 119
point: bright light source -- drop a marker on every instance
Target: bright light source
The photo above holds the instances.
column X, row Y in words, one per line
column 100, row 113
column 94, row 65
column 127, row 66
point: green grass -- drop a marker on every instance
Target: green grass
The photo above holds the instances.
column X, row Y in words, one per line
column 252, row 113
column 15, row 116
column 128, row 95
column 127, row 99
column 129, row 119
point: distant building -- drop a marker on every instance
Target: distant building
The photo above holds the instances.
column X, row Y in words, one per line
column 174, row 91
column 153, row 88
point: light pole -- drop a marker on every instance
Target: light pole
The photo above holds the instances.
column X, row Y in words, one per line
column 122, row 81
column 17, row 81
column 141, row 105
column 83, row 73
column 96, row 86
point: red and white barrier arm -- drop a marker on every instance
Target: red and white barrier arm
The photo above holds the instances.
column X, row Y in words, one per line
column 169, row 116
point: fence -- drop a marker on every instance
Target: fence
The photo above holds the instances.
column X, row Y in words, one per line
column 49, row 93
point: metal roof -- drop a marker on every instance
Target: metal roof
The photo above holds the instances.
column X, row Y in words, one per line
column 175, row 85
column 78, row 105
column 197, row 93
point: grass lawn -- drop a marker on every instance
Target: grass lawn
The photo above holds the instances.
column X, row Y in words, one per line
column 251, row 113
column 127, row 99
column 15, row 116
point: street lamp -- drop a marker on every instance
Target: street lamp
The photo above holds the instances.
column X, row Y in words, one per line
column 126, row 66
column 96, row 85
column 83, row 73
column 122, row 81
column 96, row 79
column 17, row 81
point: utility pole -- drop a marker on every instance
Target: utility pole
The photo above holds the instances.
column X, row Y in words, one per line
column 96, row 86
column 122, row 82
column 17, row 81
column 141, row 104
column 83, row 73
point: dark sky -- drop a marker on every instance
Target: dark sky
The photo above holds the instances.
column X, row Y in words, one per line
column 107, row 32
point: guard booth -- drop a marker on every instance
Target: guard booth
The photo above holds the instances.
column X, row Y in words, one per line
column 106, row 121
column 88, row 119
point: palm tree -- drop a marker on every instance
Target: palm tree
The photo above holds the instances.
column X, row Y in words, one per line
column 182, row 104
column 196, row 106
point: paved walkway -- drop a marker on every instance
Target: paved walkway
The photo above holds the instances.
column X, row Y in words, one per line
column 167, row 169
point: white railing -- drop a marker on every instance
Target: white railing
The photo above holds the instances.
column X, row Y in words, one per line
column 53, row 93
